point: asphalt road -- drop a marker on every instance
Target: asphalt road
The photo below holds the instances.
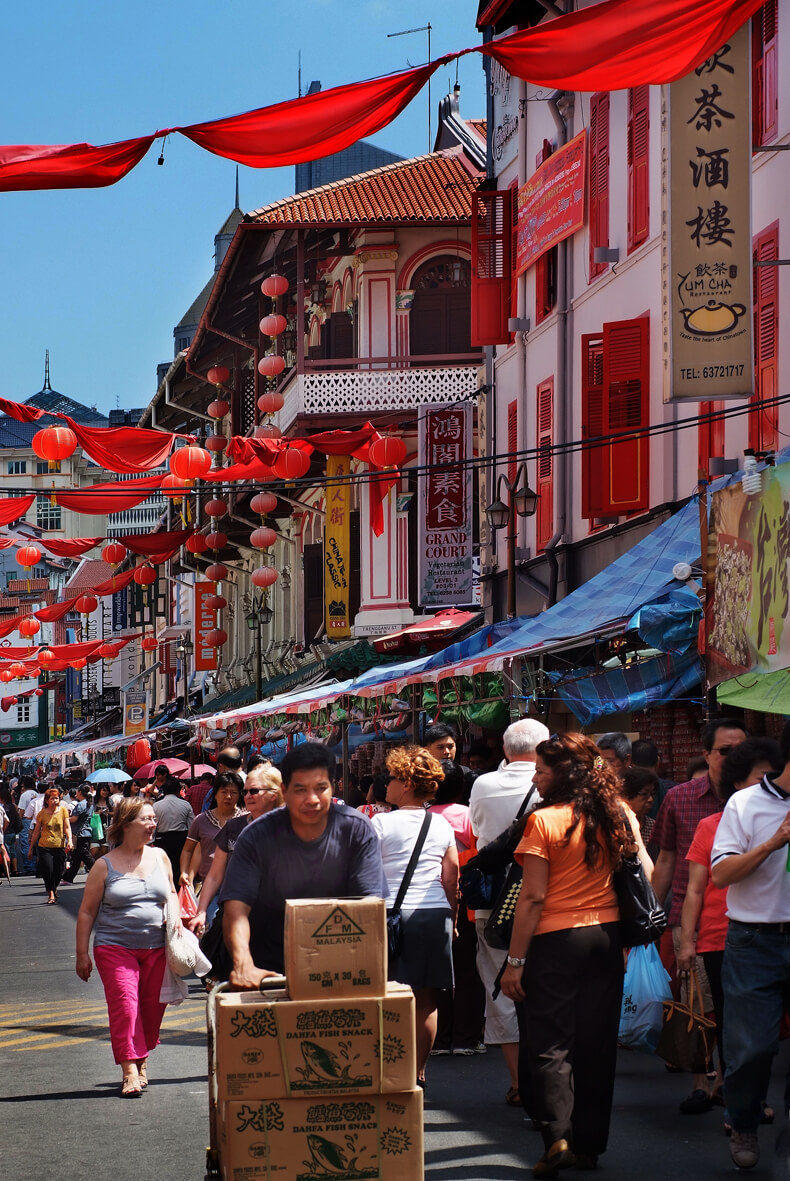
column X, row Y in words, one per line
column 61, row 1118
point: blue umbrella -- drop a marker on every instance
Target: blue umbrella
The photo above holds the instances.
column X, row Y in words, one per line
column 107, row 775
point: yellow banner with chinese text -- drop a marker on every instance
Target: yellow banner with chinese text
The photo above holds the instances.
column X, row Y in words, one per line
column 337, row 547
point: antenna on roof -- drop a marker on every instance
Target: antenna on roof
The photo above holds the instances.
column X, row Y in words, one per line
column 299, row 72
column 237, row 206
column 422, row 29
column 47, row 386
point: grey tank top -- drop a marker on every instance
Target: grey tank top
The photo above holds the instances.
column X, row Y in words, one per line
column 131, row 911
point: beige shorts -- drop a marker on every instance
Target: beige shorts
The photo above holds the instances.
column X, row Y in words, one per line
column 501, row 1021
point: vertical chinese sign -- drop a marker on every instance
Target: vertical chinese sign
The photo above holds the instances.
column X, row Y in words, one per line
column 708, row 251
column 445, row 542
column 337, row 544
column 205, row 620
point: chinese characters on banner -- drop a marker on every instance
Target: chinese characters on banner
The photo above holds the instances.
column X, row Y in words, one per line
column 708, row 269
column 205, row 620
column 135, row 712
column 337, row 537
column 749, row 628
column 445, row 509
column 551, row 203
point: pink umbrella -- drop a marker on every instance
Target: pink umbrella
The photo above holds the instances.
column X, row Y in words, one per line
column 196, row 771
column 174, row 766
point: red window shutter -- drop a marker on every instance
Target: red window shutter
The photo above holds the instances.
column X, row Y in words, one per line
column 764, row 420
column 711, row 435
column 638, row 165
column 764, row 73
column 512, row 439
column 490, row 266
column 592, row 426
column 626, row 376
column 599, row 178
column 546, row 265
column 545, row 481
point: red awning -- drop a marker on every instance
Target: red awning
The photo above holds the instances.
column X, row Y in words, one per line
column 434, row 632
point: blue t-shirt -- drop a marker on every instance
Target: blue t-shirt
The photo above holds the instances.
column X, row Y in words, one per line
column 271, row 864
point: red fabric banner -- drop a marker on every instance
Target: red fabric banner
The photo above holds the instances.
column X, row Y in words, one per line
column 14, row 507
column 115, row 497
column 19, row 411
column 619, row 44
column 18, row 653
column 7, row 542
column 75, row 166
column 313, row 126
column 10, row 625
column 69, row 547
column 57, row 610
column 157, row 547
column 115, row 583
column 127, row 449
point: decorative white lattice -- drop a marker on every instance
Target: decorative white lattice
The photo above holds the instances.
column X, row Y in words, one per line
column 377, row 389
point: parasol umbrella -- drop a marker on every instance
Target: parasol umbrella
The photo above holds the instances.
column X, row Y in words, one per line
column 107, row 775
column 196, row 771
column 173, row 766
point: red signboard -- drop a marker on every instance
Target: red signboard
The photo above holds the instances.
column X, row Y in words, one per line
column 551, row 203
column 205, row 620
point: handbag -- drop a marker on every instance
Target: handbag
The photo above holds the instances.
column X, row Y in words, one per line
column 394, row 920
column 687, row 1037
column 484, row 877
column 642, row 919
column 97, row 828
column 212, row 944
column 499, row 924
column 180, row 951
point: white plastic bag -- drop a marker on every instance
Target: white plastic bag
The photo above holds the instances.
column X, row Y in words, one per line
column 645, row 989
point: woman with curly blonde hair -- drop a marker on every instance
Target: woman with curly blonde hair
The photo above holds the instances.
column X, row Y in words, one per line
column 565, row 965
column 431, row 901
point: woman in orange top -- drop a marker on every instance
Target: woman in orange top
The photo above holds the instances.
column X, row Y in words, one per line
column 565, row 967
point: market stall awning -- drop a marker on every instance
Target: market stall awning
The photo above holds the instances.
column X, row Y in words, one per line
column 766, row 692
column 435, row 631
column 592, row 693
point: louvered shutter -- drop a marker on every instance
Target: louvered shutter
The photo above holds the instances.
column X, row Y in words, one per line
column 512, row 439
column 592, row 426
column 764, row 73
column 490, row 266
column 711, row 435
column 599, row 178
column 545, row 480
column 626, row 378
column 638, row 165
column 764, row 420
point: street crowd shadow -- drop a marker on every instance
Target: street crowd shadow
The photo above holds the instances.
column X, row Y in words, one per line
column 105, row 1090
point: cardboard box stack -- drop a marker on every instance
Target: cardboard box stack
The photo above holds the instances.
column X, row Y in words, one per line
column 319, row 1081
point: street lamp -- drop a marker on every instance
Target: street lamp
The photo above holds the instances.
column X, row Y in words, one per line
column 259, row 616
column 522, row 502
column 184, row 650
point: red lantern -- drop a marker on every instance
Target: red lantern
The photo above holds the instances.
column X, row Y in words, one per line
column 149, row 644
column 218, row 374
column 270, row 403
column 214, row 602
column 190, row 463
column 114, row 553
column 35, row 671
column 86, row 604
column 54, row 443
column 216, row 442
column 216, row 508
column 388, row 451
column 17, row 669
column 264, row 576
column 79, row 664
column 291, row 464
column 274, row 285
column 218, row 408
column 108, row 651
column 263, row 503
column 144, row 576
column 273, row 325
column 216, row 539
column 138, row 754
column 217, row 573
column 29, row 628
column 268, row 431
column 216, row 637
column 271, row 365
column 174, row 486
column 262, row 538
column 46, row 656
column 28, row 555
column 6, row 676
column 38, row 692
column 196, row 544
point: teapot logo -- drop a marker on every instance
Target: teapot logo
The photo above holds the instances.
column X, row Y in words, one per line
column 712, row 318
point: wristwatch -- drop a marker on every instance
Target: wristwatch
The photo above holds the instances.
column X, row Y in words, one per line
column 515, row 962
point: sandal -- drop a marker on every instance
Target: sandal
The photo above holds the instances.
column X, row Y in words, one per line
column 130, row 1087
column 142, row 1072
column 513, row 1099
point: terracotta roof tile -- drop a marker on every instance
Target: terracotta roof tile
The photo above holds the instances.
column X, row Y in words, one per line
column 432, row 188
column 91, row 572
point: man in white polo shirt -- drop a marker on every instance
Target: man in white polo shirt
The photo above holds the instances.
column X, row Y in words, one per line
column 749, row 858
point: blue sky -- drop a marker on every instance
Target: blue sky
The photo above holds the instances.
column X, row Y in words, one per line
column 101, row 276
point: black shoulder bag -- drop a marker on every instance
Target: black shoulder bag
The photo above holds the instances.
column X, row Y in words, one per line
column 394, row 920
column 642, row 919
column 499, row 924
column 482, row 878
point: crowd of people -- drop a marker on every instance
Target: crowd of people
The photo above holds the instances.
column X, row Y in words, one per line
column 564, row 811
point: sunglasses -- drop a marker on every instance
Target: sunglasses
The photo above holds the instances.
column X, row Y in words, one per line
column 723, row 750
column 257, row 791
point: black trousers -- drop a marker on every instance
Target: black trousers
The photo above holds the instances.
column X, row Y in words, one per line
column 172, row 842
column 80, row 855
column 461, row 1013
column 569, row 1020
column 50, row 867
column 713, row 963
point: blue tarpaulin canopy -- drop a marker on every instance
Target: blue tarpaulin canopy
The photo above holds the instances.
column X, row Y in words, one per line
column 591, row 694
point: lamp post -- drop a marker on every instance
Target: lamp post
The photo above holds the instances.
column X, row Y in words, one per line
column 184, row 650
column 522, row 502
column 259, row 615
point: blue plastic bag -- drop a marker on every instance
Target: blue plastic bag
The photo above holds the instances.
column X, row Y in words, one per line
column 645, row 989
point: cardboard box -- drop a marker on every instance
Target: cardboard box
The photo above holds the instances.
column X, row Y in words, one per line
column 353, row 1138
column 335, row 947
column 268, row 1046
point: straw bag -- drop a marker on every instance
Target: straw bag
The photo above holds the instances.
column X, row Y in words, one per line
column 687, row 1037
